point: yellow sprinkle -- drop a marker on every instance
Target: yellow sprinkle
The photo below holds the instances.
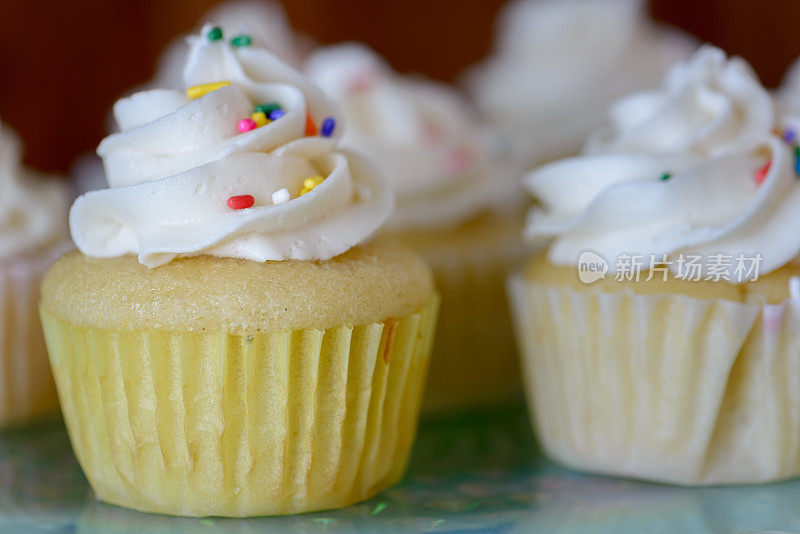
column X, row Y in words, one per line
column 260, row 118
column 196, row 91
column 310, row 183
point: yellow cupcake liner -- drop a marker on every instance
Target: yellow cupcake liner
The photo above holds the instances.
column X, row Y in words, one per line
column 26, row 384
column 200, row 423
column 474, row 362
column 662, row 387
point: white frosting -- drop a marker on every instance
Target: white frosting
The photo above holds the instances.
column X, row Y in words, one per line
column 442, row 162
column 265, row 22
column 788, row 94
column 176, row 162
column 32, row 211
column 558, row 64
column 711, row 127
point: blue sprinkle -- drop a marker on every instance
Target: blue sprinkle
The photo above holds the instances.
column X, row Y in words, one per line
column 789, row 135
column 276, row 114
column 328, row 125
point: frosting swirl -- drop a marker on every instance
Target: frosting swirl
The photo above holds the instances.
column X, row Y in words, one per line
column 178, row 162
column 32, row 211
column 558, row 64
column 730, row 186
column 444, row 168
column 265, row 22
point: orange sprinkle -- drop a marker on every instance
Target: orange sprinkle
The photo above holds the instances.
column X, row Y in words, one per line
column 311, row 128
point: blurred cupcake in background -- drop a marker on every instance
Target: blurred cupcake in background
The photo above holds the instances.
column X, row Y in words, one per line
column 33, row 232
column 458, row 204
column 660, row 333
column 557, row 65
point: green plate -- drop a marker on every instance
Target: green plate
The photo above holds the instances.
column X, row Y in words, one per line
column 481, row 473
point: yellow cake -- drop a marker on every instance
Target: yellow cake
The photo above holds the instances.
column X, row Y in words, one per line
column 660, row 331
column 228, row 339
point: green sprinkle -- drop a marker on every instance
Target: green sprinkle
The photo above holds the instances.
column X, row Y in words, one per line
column 437, row 522
column 666, row 176
column 797, row 159
column 207, row 522
column 379, row 508
column 268, row 108
column 241, row 41
column 214, row 34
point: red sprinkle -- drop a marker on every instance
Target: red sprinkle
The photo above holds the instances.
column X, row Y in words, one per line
column 311, row 128
column 241, row 202
column 761, row 174
column 245, row 125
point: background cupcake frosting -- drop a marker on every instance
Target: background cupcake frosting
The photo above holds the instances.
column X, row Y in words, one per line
column 445, row 165
column 694, row 167
column 557, row 64
column 178, row 161
column 32, row 211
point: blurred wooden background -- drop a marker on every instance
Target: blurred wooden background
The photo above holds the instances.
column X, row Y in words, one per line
column 63, row 63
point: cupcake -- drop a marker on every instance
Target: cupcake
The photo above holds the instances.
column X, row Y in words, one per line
column 227, row 340
column 660, row 331
column 557, row 64
column 458, row 204
column 33, row 221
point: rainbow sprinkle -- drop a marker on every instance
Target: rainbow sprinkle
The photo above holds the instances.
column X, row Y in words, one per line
column 214, row 34
column 246, row 125
column 310, row 183
column 761, row 174
column 241, row 202
column 241, row 41
column 197, row 91
column 328, row 126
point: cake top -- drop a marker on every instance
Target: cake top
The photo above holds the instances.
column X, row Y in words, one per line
column 557, row 64
column 244, row 164
column 367, row 284
column 444, row 164
column 702, row 168
column 32, row 210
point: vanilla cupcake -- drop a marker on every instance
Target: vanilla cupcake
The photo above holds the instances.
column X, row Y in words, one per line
column 458, row 204
column 557, row 64
column 228, row 341
column 33, row 223
column 661, row 331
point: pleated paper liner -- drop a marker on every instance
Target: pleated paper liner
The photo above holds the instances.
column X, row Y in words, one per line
column 27, row 390
column 474, row 363
column 203, row 424
column 662, row 387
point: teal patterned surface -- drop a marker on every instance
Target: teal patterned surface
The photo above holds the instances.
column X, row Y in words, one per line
column 476, row 474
